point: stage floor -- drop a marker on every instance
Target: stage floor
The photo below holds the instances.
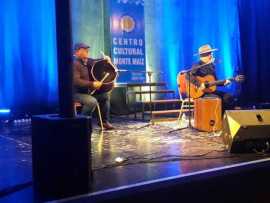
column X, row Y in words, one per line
column 148, row 152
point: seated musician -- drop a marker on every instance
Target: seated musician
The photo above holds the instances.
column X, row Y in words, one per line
column 83, row 84
column 208, row 68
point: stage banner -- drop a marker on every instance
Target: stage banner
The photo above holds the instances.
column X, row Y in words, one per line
column 127, row 39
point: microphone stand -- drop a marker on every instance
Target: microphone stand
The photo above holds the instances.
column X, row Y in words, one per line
column 149, row 73
column 188, row 72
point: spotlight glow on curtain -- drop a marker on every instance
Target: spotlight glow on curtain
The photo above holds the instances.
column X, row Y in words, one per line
column 184, row 26
column 174, row 31
column 88, row 25
column 28, row 67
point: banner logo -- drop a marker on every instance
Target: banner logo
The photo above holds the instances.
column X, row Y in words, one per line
column 127, row 23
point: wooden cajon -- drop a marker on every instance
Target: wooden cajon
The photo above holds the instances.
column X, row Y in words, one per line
column 207, row 114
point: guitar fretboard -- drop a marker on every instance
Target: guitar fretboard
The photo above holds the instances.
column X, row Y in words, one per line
column 218, row 82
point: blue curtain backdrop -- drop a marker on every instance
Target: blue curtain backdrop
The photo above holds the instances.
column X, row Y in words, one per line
column 173, row 31
column 28, row 74
column 88, row 24
column 255, row 42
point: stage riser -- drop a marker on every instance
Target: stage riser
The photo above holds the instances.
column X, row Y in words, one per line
column 123, row 103
column 238, row 184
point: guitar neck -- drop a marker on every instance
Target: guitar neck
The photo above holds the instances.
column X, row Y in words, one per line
column 218, row 82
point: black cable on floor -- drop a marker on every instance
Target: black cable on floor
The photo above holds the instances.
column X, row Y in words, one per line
column 170, row 158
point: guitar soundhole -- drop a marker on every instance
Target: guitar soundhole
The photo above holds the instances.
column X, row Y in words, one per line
column 206, row 83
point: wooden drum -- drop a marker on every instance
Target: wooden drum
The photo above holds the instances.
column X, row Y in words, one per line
column 207, row 114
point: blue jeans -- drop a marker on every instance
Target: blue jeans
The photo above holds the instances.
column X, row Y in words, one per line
column 90, row 102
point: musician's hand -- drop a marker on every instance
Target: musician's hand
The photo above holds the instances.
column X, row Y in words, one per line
column 202, row 86
column 227, row 82
column 97, row 84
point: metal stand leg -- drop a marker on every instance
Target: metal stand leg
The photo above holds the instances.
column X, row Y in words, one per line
column 100, row 117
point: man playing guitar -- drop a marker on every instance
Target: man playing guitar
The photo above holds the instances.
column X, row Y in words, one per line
column 207, row 69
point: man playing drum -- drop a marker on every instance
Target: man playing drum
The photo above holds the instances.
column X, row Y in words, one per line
column 84, row 84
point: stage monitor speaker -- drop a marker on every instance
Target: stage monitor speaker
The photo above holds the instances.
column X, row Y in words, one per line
column 61, row 154
column 246, row 130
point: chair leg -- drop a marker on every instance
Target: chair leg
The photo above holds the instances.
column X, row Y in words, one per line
column 135, row 111
column 181, row 111
column 142, row 111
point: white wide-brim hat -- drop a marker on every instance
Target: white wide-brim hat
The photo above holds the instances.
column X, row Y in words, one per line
column 205, row 49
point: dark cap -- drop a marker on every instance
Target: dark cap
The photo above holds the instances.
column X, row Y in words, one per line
column 78, row 46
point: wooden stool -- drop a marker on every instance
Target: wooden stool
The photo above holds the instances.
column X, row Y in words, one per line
column 207, row 114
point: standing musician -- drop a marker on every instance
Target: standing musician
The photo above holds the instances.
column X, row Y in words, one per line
column 84, row 83
column 207, row 68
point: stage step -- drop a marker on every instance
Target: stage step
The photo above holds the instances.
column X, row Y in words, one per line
column 164, row 112
column 162, row 101
column 152, row 92
column 167, row 112
column 147, row 84
column 165, row 119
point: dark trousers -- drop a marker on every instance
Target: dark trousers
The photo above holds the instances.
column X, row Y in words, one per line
column 90, row 102
column 227, row 99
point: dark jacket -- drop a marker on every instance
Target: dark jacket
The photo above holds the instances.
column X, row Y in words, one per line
column 205, row 70
column 82, row 79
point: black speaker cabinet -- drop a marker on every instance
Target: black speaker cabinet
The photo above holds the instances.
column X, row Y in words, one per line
column 246, row 130
column 61, row 154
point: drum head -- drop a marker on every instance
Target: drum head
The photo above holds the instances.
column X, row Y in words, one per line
column 101, row 68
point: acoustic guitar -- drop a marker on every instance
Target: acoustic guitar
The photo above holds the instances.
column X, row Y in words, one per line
column 209, row 81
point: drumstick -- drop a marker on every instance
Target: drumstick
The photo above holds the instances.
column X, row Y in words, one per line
column 102, row 80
